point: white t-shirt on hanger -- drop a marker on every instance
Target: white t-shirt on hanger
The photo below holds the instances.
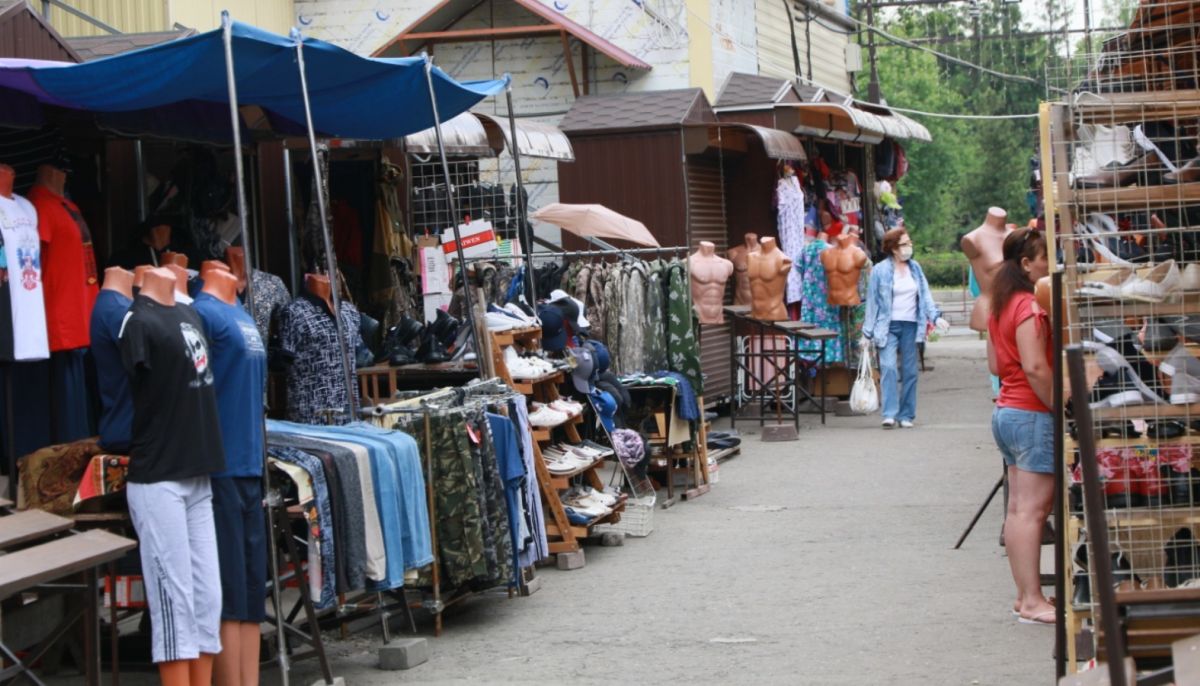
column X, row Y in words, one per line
column 23, row 259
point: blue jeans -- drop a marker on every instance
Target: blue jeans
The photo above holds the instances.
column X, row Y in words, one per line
column 902, row 340
column 1025, row 438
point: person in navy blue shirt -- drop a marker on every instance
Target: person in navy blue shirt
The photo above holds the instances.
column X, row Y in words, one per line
column 239, row 364
column 116, row 403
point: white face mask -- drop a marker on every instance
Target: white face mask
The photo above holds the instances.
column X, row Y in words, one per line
column 904, row 252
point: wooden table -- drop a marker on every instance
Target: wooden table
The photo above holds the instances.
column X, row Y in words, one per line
column 41, row 548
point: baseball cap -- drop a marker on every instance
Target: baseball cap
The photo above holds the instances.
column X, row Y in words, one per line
column 606, row 408
column 572, row 309
column 554, row 334
column 585, row 365
column 603, row 358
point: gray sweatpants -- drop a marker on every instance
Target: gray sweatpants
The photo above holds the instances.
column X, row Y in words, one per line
column 178, row 545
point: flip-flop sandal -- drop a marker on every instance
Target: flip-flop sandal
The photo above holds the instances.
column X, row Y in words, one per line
column 1017, row 613
column 1039, row 618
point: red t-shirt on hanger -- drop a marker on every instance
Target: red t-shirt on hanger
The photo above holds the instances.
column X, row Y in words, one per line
column 69, row 278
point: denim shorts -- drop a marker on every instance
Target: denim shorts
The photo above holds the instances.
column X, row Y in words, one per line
column 1025, row 438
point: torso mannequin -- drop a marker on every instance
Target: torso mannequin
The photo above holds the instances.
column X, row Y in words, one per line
column 740, row 257
column 236, row 259
column 119, row 280
column 158, row 284
column 318, row 285
column 23, row 333
column 181, row 280
column 984, row 247
column 169, row 258
column 139, row 274
column 709, row 272
column 843, row 263
column 768, row 280
column 222, row 285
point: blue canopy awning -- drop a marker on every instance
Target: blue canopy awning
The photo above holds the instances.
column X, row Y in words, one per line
column 350, row 96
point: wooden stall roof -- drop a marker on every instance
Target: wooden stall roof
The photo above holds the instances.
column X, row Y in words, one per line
column 24, row 34
column 638, row 111
column 95, row 47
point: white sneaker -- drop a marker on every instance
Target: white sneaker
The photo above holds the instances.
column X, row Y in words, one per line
column 545, row 417
column 889, row 423
column 520, row 314
column 499, row 322
column 906, row 424
column 566, row 407
column 1154, row 285
column 1190, row 279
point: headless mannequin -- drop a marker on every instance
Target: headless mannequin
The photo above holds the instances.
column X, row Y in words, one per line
column 768, row 281
column 53, row 178
column 222, row 285
column 119, row 280
column 158, row 284
column 318, row 285
column 237, row 664
column 7, row 175
column 740, row 257
column 843, row 264
column 984, row 247
column 236, row 258
column 139, row 274
column 181, row 278
column 709, row 272
column 169, row 258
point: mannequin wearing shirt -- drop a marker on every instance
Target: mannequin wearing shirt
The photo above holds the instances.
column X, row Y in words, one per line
column 235, row 257
column 740, row 257
column 169, row 258
column 709, row 272
column 174, row 455
column 318, row 285
column 68, row 262
column 984, row 247
column 181, row 282
column 239, row 370
column 22, row 306
column 843, row 264
column 139, row 275
column 769, row 268
column 116, row 415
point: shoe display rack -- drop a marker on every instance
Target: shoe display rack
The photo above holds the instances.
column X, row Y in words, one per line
column 1124, row 218
column 563, row 535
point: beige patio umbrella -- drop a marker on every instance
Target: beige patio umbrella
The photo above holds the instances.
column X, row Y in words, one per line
column 596, row 221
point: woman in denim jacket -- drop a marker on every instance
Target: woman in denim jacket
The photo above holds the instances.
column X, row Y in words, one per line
column 900, row 309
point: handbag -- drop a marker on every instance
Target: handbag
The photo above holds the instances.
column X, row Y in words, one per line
column 864, row 397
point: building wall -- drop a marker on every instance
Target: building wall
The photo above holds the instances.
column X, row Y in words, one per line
column 775, row 56
column 127, row 16
column 734, row 40
column 278, row 16
column 140, row 16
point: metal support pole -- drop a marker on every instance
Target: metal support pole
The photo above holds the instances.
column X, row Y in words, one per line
column 330, row 259
column 293, row 261
column 235, row 121
column 873, row 85
column 514, row 149
column 140, row 162
column 455, row 217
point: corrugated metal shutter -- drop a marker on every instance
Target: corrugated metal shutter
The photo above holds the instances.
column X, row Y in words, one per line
column 706, row 222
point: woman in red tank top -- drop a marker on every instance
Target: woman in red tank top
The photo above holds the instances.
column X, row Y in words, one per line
column 1022, row 424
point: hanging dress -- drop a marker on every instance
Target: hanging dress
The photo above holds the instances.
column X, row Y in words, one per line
column 789, row 205
column 815, row 307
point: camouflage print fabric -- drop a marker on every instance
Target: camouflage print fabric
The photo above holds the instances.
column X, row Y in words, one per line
column 635, row 322
column 592, row 304
column 683, row 350
column 613, row 304
column 497, row 535
column 655, row 345
column 571, row 277
column 460, row 520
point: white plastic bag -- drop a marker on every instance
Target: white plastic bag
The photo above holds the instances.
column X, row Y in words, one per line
column 864, row 397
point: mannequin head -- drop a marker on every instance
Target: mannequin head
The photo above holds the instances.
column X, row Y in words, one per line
column 139, row 274
column 7, row 176
column 222, row 285
column 707, row 248
column 119, row 280
column 767, row 244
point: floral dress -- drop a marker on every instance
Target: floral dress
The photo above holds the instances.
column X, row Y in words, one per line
column 789, row 205
column 815, row 307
